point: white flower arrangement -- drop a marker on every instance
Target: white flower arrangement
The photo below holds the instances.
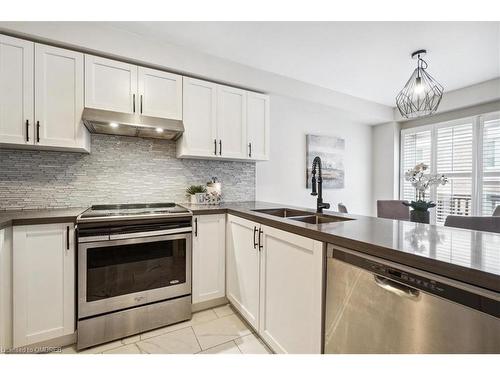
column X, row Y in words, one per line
column 422, row 181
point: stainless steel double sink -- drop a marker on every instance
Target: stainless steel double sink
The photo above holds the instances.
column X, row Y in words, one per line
column 303, row 216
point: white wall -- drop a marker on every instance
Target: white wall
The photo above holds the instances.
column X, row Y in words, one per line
column 385, row 162
column 283, row 178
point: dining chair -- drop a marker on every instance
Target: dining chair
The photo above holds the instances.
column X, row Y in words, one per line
column 497, row 211
column 393, row 209
column 483, row 223
column 342, row 208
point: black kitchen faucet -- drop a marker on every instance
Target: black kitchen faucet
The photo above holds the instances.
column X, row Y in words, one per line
column 319, row 193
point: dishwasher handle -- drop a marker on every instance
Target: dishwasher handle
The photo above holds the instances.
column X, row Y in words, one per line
column 396, row 288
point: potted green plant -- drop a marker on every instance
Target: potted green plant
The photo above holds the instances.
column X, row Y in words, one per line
column 196, row 193
column 422, row 181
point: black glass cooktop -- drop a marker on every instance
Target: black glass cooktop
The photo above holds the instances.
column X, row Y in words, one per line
column 134, row 209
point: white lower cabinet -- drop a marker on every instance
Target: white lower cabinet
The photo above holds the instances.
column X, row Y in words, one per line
column 243, row 268
column 209, row 257
column 275, row 281
column 43, row 282
column 5, row 288
column 291, row 288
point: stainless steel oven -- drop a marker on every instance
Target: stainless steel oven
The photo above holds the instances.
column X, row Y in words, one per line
column 124, row 268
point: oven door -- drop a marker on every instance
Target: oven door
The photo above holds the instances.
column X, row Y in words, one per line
column 123, row 273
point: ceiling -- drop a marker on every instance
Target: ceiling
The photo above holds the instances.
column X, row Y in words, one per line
column 369, row 60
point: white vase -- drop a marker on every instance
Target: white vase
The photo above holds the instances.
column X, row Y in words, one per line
column 192, row 199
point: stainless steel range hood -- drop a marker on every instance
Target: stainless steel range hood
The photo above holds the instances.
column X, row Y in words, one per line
column 134, row 125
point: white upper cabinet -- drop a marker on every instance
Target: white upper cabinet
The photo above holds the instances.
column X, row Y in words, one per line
column 209, row 257
column 199, row 117
column 110, row 85
column 223, row 122
column 16, row 90
column 41, row 97
column 160, row 94
column 58, row 97
column 258, row 126
column 117, row 86
column 43, row 282
column 231, row 122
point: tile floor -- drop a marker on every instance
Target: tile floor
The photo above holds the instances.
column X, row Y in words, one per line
column 215, row 331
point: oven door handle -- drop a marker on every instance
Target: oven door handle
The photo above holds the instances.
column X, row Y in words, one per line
column 152, row 233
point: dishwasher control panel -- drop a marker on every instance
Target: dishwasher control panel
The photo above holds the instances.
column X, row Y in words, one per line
column 409, row 279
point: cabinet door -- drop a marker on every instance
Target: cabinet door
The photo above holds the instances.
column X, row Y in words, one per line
column 6, row 288
column 44, row 282
column 258, row 126
column 243, row 267
column 199, row 118
column 58, row 97
column 16, row 90
column 209, row 257
column 110, row 85
column 291, row 292
column 160, row 94
column 231, row 122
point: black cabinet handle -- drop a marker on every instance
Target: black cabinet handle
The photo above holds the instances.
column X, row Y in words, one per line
column 141, row 104
column 133, row 102
column 260, row 244
column 254, row 240
column 215, row 147
column 67, row 237
column 27, row 130
column 196, row 227
column 250, row 149
column 38, row 132
column 220, row 147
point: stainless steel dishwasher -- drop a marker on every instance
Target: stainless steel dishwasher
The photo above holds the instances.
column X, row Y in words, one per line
column 376, row 306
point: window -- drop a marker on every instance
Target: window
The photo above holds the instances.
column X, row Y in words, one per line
column 454, row 159
column 417, row 149
column 467, row 151
column 491, row 165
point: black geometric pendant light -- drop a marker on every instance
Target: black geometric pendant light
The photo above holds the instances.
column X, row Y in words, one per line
column 422, row 93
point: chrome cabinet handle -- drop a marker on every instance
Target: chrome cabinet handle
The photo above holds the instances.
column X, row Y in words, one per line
column 220, row 147
column 250, row 149
column 38, row 132
column 133, row 102
column 196, row 227
column 396, row 288
column 27, row 130
column 215, row 147
column 141, row 104
column 260, row 244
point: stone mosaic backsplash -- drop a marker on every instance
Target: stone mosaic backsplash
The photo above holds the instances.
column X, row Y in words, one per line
column 118, row 170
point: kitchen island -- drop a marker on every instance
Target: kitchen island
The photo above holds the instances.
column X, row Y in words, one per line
column 469, row 256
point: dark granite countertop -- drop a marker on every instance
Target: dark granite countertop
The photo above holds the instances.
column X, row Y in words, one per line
column 469, row 256
column 47, row 216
